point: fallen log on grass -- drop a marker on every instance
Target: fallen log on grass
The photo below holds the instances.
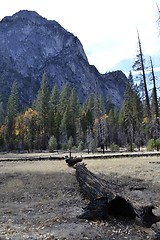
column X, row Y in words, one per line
column 105, row 203
column 71, row 161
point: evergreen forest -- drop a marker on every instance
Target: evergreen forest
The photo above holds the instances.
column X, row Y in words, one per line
column 57, row 120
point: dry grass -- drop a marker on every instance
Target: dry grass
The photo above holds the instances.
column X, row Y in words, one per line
column 146, row 168
column 41, row 199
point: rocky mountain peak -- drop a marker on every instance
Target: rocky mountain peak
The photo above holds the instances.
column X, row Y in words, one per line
column 24, row 15
column 31, row 44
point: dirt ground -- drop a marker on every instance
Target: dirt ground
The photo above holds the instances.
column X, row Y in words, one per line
column 41, row 199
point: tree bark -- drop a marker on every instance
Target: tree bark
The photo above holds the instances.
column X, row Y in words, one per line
column 148, row 110
column 105, row 203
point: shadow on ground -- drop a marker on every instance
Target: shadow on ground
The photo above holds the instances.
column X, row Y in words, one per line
column 45, row 206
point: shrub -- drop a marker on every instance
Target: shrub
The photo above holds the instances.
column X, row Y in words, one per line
column 131, row 147
column 80, row 146
column 52, row 144
column 114, row 147
column 151, row 145
column 70, row 142
column 92, row 146
column 157, row 144
column 64, row 147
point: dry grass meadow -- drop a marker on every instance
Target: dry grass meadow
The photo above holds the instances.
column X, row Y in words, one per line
column 41, row 199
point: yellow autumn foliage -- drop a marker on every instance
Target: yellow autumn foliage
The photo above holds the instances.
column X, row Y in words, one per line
column 2, row 128
column 23, row 120
column 145, row 120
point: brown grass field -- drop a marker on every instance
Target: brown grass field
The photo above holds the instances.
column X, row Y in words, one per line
column 41, row 199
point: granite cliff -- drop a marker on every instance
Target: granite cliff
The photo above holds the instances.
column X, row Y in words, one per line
column 31, row 44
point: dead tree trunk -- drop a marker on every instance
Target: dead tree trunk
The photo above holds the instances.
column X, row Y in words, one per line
column 105, row 203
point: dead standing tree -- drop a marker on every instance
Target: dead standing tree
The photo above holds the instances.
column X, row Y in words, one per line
column 105, row 203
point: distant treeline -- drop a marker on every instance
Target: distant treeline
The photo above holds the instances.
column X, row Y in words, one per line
column 57, row 120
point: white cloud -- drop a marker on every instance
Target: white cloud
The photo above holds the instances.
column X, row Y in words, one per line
column 106, row 28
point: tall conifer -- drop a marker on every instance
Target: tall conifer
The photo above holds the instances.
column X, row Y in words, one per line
column 43, row 110
column 54, row 113
column 154, row 94
column 12, row 109
column 139, row 65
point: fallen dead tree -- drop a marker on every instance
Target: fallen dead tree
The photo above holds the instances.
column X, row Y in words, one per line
column 71, row 161
column 105, row 203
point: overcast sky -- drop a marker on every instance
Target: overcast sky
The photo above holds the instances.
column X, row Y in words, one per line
column 106, row 28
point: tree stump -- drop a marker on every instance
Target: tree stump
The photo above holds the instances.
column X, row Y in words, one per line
column 105, row 203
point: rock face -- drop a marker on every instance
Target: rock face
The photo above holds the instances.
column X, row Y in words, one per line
column 31, row 44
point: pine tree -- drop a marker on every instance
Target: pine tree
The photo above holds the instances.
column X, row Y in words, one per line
column 131, row 116
column 64, row 97
column 42, row 109
column 128, row 120
column 29, row 119
column 139, row 65
column 74, row 106
column 138, row 118
column 99, row 109
column 54, row 113
column 52, row 144
column 65, row 126
column 100, row 123
column 154, row 95
column 155, row 125
column 12, row 109
column 89, row 108
column 2, row 112
column 130, row 79
column 54, row 99
column 70, row 118
column 87, row 120
column 112, row 126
